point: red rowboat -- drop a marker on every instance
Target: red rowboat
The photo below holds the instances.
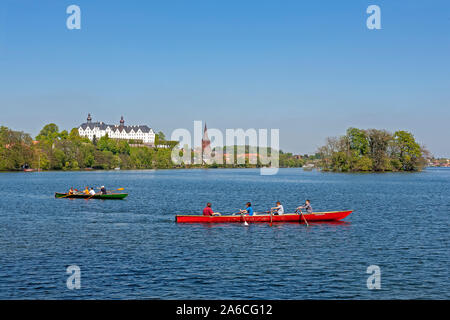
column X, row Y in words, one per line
column 289, row 217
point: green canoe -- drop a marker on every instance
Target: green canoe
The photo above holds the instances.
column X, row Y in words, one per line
column 110, row 196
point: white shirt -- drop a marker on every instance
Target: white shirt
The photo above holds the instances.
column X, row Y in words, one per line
column 280, row 209
column 92, row 192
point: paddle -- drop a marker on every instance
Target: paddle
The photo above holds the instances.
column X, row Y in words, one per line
column 245, row 222
column 301, row 213
column 91, row 196
column 242, row 216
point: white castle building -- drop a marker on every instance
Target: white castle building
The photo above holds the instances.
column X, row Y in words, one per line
column 99, row 129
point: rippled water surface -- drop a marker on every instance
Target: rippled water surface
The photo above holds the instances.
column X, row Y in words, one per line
column 132, row 249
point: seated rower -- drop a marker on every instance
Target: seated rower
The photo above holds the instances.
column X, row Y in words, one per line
column 248, row 210
column 278, row 210
column 306, row 206
column 208, row 211
column 103, row 190
column 71, row 191
column 92, row 192
column 86, row 191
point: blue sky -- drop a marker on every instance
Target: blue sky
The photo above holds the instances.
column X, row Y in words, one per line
column 310, row 68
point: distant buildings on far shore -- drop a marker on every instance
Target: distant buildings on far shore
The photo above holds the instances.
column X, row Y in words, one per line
column 439, row 163
column 91, row 129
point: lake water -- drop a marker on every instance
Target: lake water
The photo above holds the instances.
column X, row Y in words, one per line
column 133, row 249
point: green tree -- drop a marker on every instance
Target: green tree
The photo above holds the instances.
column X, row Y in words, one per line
column 358, row 141
column 408, row 151
column 49, row 132
column 379, row 141
column 16, row 149
column 363, row 164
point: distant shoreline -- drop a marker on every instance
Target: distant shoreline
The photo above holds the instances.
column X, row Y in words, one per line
column 168, row 169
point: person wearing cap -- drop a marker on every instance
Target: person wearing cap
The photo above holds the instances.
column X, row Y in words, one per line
column 103, row 190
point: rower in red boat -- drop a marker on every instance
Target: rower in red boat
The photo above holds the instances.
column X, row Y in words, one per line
column 278, row 210
column 208, row 211
column 306, row 206
column 248, row 210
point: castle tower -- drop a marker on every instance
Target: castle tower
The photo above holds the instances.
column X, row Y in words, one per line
column 89, row 118
column 122, row 122
column 206, row 146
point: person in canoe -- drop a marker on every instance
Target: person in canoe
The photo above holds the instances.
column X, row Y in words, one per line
column 71, row 191
column 278, row 210
column 306, row 206
column 248, row 210
column 92, row 192
column 208, row 211
column 103, row 190
column 86, row 191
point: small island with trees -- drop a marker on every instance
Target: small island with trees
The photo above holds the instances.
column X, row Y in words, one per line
column 372, row 150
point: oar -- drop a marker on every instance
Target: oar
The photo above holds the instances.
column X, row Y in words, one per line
column 245, row 222
column 301, row 213
column 91, row 196
column 242, row 216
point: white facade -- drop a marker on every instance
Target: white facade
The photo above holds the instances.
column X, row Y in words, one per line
column 99, row 129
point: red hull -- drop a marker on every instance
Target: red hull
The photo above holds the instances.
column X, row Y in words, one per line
column 311, row 217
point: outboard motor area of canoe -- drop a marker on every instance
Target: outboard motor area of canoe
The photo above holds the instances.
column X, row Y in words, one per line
column 289, row 217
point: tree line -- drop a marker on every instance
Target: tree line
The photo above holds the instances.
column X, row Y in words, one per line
column 53, row 149
column 60, row 150
column 372, row 150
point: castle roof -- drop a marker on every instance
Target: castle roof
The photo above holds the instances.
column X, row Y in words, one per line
column 103, row 126
column 92, row 125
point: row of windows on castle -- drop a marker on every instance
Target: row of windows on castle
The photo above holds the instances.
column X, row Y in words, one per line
column 99, row 129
